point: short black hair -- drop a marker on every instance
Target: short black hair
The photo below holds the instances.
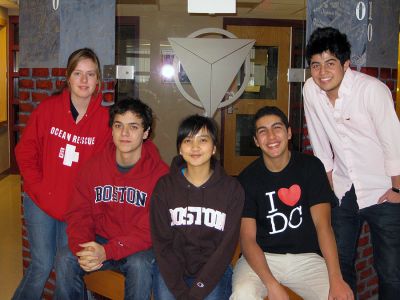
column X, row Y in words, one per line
column 267, row 111
column 192, row 125
column 136, row 107
column 328, row 39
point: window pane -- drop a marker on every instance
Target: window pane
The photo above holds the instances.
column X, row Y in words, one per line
column 16, row 61
column 16, row 34
column 263, row 74
column 127, row 54
column 15, row 87
column 244, row 136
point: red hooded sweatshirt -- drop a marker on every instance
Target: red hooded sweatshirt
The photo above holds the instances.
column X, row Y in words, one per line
column 53, row 148
column 114, row 205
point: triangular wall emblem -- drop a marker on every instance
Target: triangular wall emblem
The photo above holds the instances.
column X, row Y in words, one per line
column 211, row 65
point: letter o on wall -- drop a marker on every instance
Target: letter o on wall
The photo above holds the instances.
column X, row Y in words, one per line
column 360, row 10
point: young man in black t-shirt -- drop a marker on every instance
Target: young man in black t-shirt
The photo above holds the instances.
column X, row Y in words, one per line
column 286, row 221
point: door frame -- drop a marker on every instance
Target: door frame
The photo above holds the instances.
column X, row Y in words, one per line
column 13, row 102
column 3, row 71
column 294, row 24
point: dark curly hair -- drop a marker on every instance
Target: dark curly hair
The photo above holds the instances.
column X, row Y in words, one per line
column 328, row 39
column 135, row 106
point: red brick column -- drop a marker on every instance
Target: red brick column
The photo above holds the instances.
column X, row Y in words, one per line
column 367, row 280
column 35, row 85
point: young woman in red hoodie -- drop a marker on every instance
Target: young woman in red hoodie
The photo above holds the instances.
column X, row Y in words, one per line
column 195, row 219
column 62, row 133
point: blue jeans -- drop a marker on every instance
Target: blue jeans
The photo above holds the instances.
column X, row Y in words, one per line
column 222, row 291
column 46, row 236
column 384, row 223
column 137, row 269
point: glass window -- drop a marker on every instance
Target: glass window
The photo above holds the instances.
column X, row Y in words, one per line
column 127, row 53
column 15, row 87
column 16, row 61
column 244, row 136
column 16, row 34
column 264, row 73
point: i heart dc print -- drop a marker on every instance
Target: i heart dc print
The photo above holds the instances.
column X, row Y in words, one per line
column 290, row 218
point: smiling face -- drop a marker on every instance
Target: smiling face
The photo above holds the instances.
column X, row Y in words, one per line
column 197, row 149
column 272, row 137
column 327, row 72
column 128, row 136
column 83, row 80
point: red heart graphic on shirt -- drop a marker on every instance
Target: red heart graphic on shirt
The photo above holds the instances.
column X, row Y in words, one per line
column 291, row 195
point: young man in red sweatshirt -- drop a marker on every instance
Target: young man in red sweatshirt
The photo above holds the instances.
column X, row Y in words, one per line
column 108, row 219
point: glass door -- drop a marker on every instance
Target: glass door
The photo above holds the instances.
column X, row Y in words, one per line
column 270, row 60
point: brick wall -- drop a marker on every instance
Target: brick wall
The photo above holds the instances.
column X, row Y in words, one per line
column 367, row 280
column 35, row 85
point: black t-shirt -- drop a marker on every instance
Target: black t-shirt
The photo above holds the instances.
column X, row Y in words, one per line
column 280, row 202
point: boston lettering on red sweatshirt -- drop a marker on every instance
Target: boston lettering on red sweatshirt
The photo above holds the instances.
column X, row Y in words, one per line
column 114, row 205
column 53, row 147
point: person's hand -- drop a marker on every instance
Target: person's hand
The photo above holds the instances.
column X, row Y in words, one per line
column 91, row 257
column 276, row 291
column 340, row 290
column 390, row 196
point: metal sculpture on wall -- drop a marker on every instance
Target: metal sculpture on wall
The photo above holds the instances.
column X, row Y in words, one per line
column 211, row 65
